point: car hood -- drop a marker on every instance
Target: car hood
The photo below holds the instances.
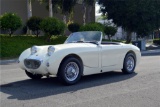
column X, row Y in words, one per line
column 73, row 45
column 65, row 46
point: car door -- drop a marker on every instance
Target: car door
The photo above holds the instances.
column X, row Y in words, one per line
column 110, row 55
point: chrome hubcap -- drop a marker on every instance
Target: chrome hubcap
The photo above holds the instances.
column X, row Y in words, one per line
column 130, row 63
column 71, row 71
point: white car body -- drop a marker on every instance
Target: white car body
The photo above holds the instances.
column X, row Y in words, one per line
column 96, row 58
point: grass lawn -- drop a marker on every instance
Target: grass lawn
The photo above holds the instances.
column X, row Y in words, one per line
column 12, row 47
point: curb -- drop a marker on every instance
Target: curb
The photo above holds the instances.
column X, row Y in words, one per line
column 156, row 51
column 9, row 61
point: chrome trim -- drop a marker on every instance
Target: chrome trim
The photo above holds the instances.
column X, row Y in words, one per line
column 32, row 63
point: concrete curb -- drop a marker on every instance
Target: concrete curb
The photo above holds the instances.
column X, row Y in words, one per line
column 156, row 51
column 9, row 61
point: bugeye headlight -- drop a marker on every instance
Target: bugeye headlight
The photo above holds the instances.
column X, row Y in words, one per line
column 33, row 50
column 51, row 49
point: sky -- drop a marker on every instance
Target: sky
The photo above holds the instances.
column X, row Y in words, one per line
column 97, row 7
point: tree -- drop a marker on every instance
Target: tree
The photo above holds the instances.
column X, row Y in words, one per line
column 110, row 31
column 10, row 22
column 29, row 7
column 89, row 3
column 67, row 7
column 52, row 26
column 92, row 27
column 73, row 27
column 131, row 15
column 34, row 24
column 51, row 5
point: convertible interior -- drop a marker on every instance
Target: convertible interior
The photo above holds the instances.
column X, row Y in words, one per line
column 110, row 43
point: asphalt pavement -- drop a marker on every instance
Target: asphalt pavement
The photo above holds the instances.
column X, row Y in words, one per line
column 112, row 89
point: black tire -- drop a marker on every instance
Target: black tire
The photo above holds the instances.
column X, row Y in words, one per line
column 129, row 68
column 63, row 71
column 33, row 76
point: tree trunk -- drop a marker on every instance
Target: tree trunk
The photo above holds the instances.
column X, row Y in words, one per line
column 84, row 14
column 64, row 18
column 29, row 7
column 48, row 38
column 89, row 13
column 129, row 37
column 109, row 38
column 50, row 9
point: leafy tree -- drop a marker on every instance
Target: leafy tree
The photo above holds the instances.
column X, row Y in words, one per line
column 110, row 31
column 74, row 27
column 34, row 24
column 52, row 26
column 132, row 15
column 10, row 22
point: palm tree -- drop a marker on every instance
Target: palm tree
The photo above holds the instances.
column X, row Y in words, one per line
column 29, row 7
column 50, row 8
column 90, row 4
column 67, row 7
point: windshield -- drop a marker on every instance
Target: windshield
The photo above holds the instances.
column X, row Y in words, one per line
column 87, row 36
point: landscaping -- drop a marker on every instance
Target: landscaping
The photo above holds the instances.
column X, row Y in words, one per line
column 12, row 47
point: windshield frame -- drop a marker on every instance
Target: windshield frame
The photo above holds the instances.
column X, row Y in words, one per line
column 96, row 42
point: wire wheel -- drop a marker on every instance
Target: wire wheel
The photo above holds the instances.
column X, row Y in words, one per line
column 130, row 63
column 71, row 71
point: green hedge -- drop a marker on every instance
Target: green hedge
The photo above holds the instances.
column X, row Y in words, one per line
column 92, row 27
column 12, row 47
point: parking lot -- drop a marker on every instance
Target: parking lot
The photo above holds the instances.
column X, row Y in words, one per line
column 112, row 89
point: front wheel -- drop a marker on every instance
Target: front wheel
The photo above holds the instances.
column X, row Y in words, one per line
column 70, row 71
column 33, row 76
column 129, row 63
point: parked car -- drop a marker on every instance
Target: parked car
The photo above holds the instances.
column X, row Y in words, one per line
column 83, row 53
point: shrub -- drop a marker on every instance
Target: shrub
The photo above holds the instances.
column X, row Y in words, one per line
column 92, row 27
column 110, row 31
column 10, row 22
column 13, row 47
column 34, row 24
column 52, row 26
column 156, row 41
column 74, row 27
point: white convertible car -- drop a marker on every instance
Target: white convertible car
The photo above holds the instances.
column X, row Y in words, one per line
column 83, row 53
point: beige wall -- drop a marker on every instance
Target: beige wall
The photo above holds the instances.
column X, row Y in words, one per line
column 20, row 7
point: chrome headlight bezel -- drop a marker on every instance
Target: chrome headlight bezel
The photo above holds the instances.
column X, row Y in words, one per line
column 34, row 50
column 51, row 49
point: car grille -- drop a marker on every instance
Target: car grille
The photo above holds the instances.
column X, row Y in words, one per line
column 32, row 63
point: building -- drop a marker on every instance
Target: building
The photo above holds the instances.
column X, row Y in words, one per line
column 20, row 7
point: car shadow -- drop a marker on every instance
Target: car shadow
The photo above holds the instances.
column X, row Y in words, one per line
column 32, row 89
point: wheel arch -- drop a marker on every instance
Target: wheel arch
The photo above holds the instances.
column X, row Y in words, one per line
column 71, row 55
column 131, row 51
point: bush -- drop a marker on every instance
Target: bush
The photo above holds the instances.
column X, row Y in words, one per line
column 74, row 27
column 110, row 31
column 34, row 24
column 10, row 22
column 52, row 26
column 13, row 47
column 92, row 27
column 156, row 41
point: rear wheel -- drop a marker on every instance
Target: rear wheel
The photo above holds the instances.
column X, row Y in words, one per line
column 33, row 76
column 70, row 71
column 129, row 63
